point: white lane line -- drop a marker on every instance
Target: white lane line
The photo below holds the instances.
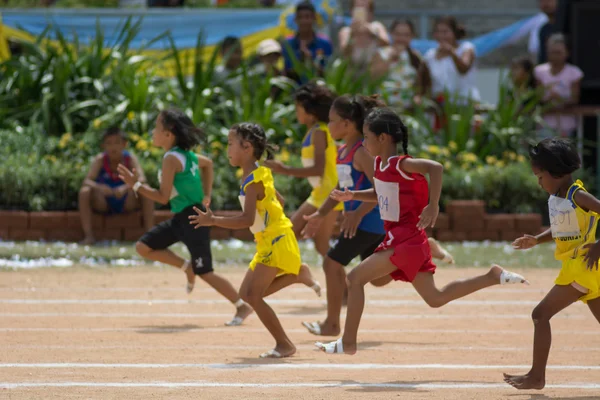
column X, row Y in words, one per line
column 280, row 314
column 299, row 366
column 194, row 329
column 293, row 302
column 386, row 348
column 84, row 289
column 154, row 384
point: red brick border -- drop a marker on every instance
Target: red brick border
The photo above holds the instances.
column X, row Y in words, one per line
column 464, row 220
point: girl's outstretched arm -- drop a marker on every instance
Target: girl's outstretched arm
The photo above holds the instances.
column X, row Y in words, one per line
column 254, row 191
column 367, row 195
column 170, row 167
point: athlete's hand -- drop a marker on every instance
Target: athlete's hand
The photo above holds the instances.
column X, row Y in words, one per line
column 592, row 255
column 524, row 242
column 350, row 224
column 127, row 176
column 276, row 166
column 202, row 219
column 428, row 216
column 340, row 196
column 313, row 223
column 206, row 202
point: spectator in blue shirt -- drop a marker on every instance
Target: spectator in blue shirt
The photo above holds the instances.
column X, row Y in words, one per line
column 306, row 46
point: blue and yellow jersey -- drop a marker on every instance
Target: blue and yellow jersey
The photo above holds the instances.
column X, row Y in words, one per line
column 322, row 185
column 572, row 227
column 270, row 217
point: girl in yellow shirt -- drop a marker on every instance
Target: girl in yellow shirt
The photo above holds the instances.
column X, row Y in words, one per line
column 319, row 155
column 277, row 262
column 573, row 220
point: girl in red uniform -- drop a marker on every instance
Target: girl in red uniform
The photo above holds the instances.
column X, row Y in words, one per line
column 407, row 207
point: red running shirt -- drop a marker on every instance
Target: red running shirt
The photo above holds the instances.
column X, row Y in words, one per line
column 402, row 196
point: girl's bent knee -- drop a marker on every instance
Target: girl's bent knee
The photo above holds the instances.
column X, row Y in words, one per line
column 142, row 249
column 539, row 314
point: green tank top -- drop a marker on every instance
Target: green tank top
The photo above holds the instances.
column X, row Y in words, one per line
column 187, row 184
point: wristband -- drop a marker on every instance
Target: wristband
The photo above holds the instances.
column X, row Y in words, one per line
column 137, row 186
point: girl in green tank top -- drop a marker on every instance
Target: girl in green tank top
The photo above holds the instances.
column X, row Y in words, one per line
column 186, row 182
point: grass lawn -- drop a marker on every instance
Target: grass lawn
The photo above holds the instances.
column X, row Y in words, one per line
column 235, row 252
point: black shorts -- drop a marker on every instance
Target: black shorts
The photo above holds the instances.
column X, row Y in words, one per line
column 178, row 229
column 363, row 244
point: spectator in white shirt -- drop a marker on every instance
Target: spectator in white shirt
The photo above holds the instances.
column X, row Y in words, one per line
column 452, row 64
column 359, row 42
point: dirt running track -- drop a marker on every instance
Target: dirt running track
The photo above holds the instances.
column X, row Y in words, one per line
column 134, row 333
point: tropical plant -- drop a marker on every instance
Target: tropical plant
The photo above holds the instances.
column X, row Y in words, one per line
column 66, row 85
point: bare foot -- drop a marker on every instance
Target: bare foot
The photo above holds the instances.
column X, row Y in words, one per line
column 337, row 347
column 280, row 351
column 191, row 278
column 89, row 240
column 322, row 328
column 438, row 252
column 501, row 276
column 305, row 277
column 524, row 382
column 241, row 314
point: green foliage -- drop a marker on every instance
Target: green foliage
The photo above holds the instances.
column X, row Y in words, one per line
column 67, row 86
column 55, row 100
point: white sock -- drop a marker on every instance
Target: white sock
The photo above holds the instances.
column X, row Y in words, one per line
column 239, row 303
column 185, row 266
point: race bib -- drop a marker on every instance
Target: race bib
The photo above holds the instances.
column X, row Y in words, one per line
column 315, row 181
column 259, row 224
column 387, row 197
column 344, row 172
column 563, row 218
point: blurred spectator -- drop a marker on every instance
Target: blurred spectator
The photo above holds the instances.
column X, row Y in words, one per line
column 548, row 7
column 523, row 82
column 166, row 3
column 401, row 65
column 306, row 46
column 103, row 191
column 269, row 54
column 231, row 54
column 521, row 75
column 452, row 64
column 359, row 41
column 562, row 85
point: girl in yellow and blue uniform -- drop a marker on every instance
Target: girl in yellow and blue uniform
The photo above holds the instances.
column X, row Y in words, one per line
column 573, row 219
column 277, row 262
column 319, row 161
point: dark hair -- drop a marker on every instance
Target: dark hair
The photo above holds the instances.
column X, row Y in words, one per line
column 370, row 8
column 228, row 42
column 528, row 66
column 356, row 108
column 415, row 58
column 305, row 6
column 385, row 121
column 187, row 135
column 256, row 136
column 114, row 131
column 406, row 22
column 458, row 29
column 316, row 99
column 556, row 156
